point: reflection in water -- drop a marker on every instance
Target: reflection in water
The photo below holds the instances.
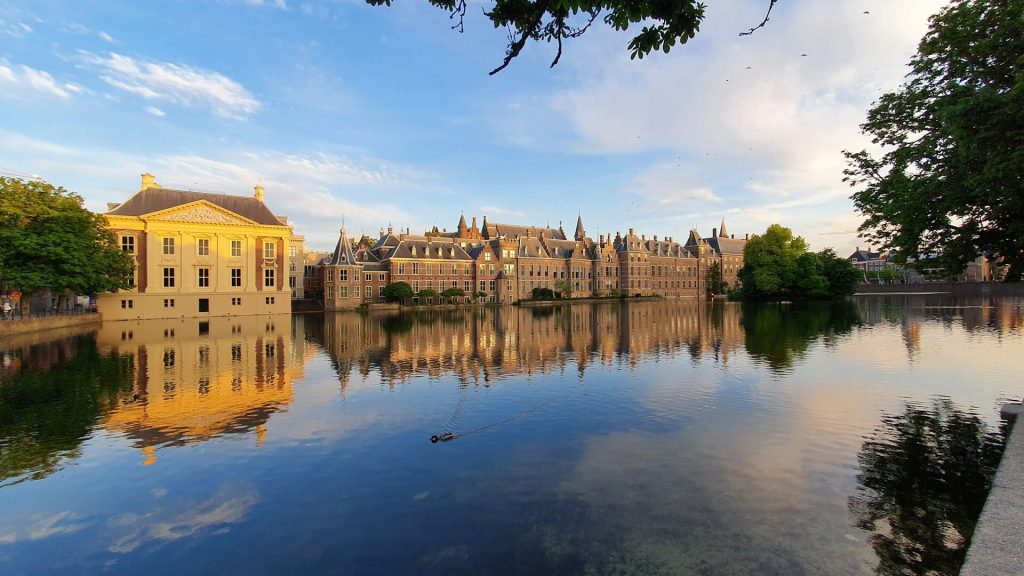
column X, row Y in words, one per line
column 779, row 334
column 614, row 438
column 50, row 400
column 924, row 476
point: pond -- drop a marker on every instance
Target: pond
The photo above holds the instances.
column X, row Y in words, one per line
column 613, row 438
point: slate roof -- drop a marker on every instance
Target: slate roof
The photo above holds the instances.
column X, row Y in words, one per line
column 531, row 248
column 422, row 248
column 864, row 256
column 726, row 245
column 514, row 231
column 156, row 199
column 343, row 254
column 666, row 248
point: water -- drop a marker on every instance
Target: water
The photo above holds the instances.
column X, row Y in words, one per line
column 649, row 438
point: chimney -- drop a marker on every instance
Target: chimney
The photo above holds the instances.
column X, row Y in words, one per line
column 746, row 236
column 655, row 237
column 733, row 236
column 714, row 232
column 259, row 192
column 149, row 181
column 631, row 232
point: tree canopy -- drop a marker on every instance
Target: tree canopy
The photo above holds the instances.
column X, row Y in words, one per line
column 949, row 184
column 397, row 292
column 49, row 240
column 777, row 266
column 551, row 21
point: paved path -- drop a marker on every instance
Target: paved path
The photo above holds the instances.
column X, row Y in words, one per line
column 997, row 548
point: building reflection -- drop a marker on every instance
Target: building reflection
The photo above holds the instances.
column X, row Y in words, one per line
column 196, row 379
column 480, row 345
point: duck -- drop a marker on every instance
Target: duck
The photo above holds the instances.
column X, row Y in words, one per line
column 444, row 437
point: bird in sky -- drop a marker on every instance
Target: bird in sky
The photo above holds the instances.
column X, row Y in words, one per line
column 804, row 55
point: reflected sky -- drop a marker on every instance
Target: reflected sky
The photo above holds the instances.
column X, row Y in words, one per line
column 648, row 438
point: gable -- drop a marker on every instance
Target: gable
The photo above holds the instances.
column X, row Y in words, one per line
column 201, row 212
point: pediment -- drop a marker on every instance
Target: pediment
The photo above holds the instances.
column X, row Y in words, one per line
column 201, row 212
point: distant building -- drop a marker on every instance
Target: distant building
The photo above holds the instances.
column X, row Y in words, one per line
column 200, row 254
column 505, row 263
column 869, row 261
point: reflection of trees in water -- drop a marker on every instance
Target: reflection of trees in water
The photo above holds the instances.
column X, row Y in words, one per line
column 45, row 415
column 924, row 476
column 779, row 334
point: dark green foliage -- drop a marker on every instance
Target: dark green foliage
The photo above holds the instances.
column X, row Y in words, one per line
column 543, row 294
column 48, row 240
column 924, row 477
column 397, row 292
column 45, row 415
column 452, row 293
column 777, row 266
column 950, row 184
column 427, row 293
column 663, row 23
column 714, row 279
column 779, row 334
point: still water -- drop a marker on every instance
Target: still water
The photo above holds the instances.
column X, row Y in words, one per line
column 644, row 438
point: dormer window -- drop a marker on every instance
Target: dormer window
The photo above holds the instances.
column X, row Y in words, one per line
column 412, row 250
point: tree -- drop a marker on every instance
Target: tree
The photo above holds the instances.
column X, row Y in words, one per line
column 924, row 476
column 563, row 289
column 397, row 292
column 452, row 293
column 543, row 294
column 778, row 266
column 950, row 182
column 427, row 293
column 841, row 276
column 714, row 283
column 664, row 23
column 48, row 240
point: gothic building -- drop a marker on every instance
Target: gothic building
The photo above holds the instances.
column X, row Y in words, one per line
column 505, row 263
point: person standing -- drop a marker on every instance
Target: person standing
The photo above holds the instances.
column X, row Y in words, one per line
column 7, row 309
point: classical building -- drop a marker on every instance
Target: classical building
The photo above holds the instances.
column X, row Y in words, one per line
column 505, row 263
column 199, row 254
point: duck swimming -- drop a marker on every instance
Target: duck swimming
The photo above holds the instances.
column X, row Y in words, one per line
column 444, row 437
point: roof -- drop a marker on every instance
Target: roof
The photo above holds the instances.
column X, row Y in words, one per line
column 726, row 245
column 864, row 256
column 343, row 255
column 442, row 250
column 156, row 199
column 513, row 231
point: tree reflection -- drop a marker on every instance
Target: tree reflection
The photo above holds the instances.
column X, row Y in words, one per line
column 45, row 415
column 924, row 476
column 779, row 334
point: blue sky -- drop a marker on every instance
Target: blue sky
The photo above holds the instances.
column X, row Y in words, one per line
column 384, row 115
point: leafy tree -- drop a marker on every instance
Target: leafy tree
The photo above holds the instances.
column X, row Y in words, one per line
column 948, row 185
column 841, row 276
column 924, row 477
column 397, row 292
column 563, row 289
column 664, row 23
column 427, row 293
column 543, row 294
column 452, row 293
column 48, row 240
column 714, row 280
column 770, row 263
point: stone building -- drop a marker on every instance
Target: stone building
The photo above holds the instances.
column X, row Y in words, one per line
column 199, row 254
column 505, row 263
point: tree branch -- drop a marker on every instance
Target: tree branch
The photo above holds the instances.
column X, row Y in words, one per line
column 771, row 5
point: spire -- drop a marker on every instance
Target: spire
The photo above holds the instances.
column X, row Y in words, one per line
column 721, row 231
column 462, row 226
column 580, row 234
column 342, row 255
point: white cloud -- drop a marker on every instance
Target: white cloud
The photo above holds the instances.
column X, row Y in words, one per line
column 24, row 77
column 41, row 527
column 176, row 83
column 105, row 37
column 14, row 29
column 155, row 111
column 497, row 211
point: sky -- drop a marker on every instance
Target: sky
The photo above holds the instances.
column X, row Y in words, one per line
column 373, row 116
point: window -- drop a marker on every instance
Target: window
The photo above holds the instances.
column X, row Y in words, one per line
column 381, row 277
column 415, row 267
column 330, row 274
column 127, row 304
column 291, row 282
column 236, row 277
column 330, row 292
column 487, row 256
column 168, row 246
column 236, row 301
column 491, row 283
column 168, row 302
column 369, row 277
column 401, row 267
column 483, row 285
column 128, row 244
column 204, row 277
column 291, row 251
column 204, row 306
column 268, row 278
column 236, row 247
column 168, row 277
column 291, row 266
column 369, row 292
column 269, row 250
column 342, row 275
column 203, row 246
column 380, row 291
column 271, row 299
column 343, row 292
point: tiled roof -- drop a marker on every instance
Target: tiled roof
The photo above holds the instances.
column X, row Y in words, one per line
column 156, row 199
column 727, row 245
column 343, row 254
column 513, row 231
column 443, row 250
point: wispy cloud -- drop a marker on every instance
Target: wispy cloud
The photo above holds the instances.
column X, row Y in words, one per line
column 105, row 37
column 40, row 527
column 24, row 77
column 176, row 83
column 155, row 111
column 14, row 29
